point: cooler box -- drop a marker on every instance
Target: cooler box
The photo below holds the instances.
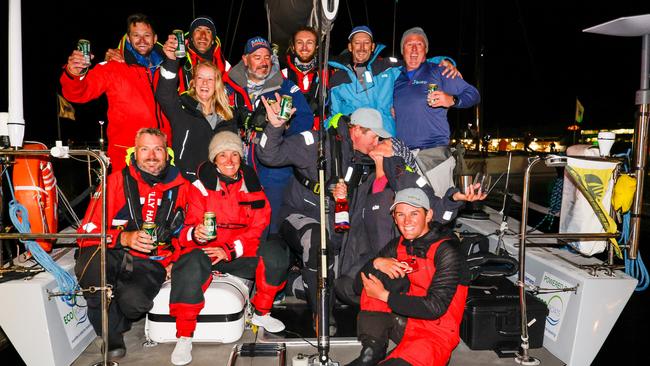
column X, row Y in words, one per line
column 492, row 320
column 221, row 320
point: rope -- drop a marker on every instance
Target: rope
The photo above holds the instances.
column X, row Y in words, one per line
column 20, row 218
column 555, row 205
column 634, row 267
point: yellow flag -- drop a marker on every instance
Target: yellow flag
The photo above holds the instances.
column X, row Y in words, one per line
column 66, row 110
column 580, row 111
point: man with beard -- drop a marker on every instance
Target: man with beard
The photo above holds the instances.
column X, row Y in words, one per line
column 302, row 64
column 363, row 79
column 128, row 86
column 257, row 73
column 149, row 189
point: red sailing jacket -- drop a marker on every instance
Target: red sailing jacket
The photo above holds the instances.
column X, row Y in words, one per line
column 118, row 215
column 241, row 208
column 129, row 89
column 426, row 342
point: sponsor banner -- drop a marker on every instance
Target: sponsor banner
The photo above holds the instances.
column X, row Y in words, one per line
column 74, row 316
column 557, row 303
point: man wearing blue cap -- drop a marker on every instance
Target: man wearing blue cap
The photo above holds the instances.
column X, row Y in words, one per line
column 258, row 75
column 362, row 79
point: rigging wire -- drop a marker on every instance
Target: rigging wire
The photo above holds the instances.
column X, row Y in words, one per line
column 234, row 32
column 394, row 26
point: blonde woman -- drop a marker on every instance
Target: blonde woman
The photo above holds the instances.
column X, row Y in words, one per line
column 196, row 115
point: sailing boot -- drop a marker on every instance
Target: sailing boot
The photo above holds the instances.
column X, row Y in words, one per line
column 372, row 352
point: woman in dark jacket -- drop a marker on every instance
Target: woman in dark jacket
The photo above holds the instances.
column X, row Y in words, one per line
column 196, row 115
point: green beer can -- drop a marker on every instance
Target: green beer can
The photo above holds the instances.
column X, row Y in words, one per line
column 210, row 223
column 180, row 48
column 286, row 103
column 83, row 45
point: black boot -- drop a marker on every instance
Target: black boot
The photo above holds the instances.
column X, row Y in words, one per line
column 373, row 351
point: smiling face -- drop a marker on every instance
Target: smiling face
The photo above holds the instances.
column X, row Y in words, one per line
column 228, row 163
column 202, row 38
column 304, row 45
column 258, row 64
column 151, row 153
column 361, row 46
column 205, row 79
column 412, row 222
column 142, row 38
column 414, row 51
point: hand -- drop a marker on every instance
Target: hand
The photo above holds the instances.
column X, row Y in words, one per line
column 137, row 240
column 217, row 254
column 472, row 193
column 450, row 70
column 168, row 271
column 391, row 267
column 374, row 288
column 169, row 48
column 273, row 109
column 439, row 99
column 340, row 190
column 201, row 233
column 384, row 149
column 113, row 54
column 77, row 63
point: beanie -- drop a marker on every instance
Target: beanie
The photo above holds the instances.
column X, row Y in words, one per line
column 415, row 30
column 225, row 141
column 205, row 21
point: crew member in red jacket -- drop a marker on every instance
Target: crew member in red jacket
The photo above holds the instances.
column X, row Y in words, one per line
column 128, row 83
column 233, row 193
column 414, row 291
column 149, row 189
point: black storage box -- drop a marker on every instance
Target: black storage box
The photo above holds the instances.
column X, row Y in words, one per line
column 492, row 320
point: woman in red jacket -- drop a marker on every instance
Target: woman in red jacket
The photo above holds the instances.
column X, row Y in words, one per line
column 232, row 191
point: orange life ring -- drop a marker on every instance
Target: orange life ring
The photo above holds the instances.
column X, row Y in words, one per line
column 35, row 188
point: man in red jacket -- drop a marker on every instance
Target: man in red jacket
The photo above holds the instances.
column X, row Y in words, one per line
column 148, row 190
column 128, row 85
column 231, row 191
column 414, row 291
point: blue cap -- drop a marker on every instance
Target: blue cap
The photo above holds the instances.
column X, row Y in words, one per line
column 256, row 43
column 360, row 29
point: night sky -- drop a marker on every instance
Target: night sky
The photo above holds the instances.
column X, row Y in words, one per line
column 537, row 60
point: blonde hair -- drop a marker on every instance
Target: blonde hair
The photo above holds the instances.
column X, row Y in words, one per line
column 219, row 99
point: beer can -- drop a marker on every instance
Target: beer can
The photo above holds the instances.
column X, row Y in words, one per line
column 286, row 104
column 180, row 48
column 149, row 227
column 432, row 87
column 210, row 223
column 83, row 45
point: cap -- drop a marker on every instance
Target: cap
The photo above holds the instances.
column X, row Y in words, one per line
column 256, row 43
column 412, row 196
column 370, row 118
column 205, row 21
column 415, row 30
column 360, row 29
column 224, row 141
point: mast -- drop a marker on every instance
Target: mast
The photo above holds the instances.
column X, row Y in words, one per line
column 479, row 59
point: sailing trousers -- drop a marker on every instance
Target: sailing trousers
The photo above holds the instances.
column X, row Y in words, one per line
column 136, row 282
column 192, row 275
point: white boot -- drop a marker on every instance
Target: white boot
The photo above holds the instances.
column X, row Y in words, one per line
column 182, row 354
column 269, row 323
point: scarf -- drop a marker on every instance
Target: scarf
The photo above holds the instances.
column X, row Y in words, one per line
column 152, row 61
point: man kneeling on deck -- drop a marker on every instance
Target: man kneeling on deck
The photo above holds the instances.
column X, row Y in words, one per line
column 148, row 190
column 232, row 192
column 414, row 291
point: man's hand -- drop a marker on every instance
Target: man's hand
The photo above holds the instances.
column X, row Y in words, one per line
column 440, row 99
column 374, row 287
column 391, row 267
column 113, row 54
column 340, row 190
column 77, row 63
column 217, row 254
column 169, row 47
column 473, row 193
column 450, row 70
column 137, row 240
column 273, row 110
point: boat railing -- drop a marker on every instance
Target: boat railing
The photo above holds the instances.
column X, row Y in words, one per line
column 6, row 159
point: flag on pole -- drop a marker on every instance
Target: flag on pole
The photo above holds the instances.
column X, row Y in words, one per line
column 580, row 111
column 66, row 110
